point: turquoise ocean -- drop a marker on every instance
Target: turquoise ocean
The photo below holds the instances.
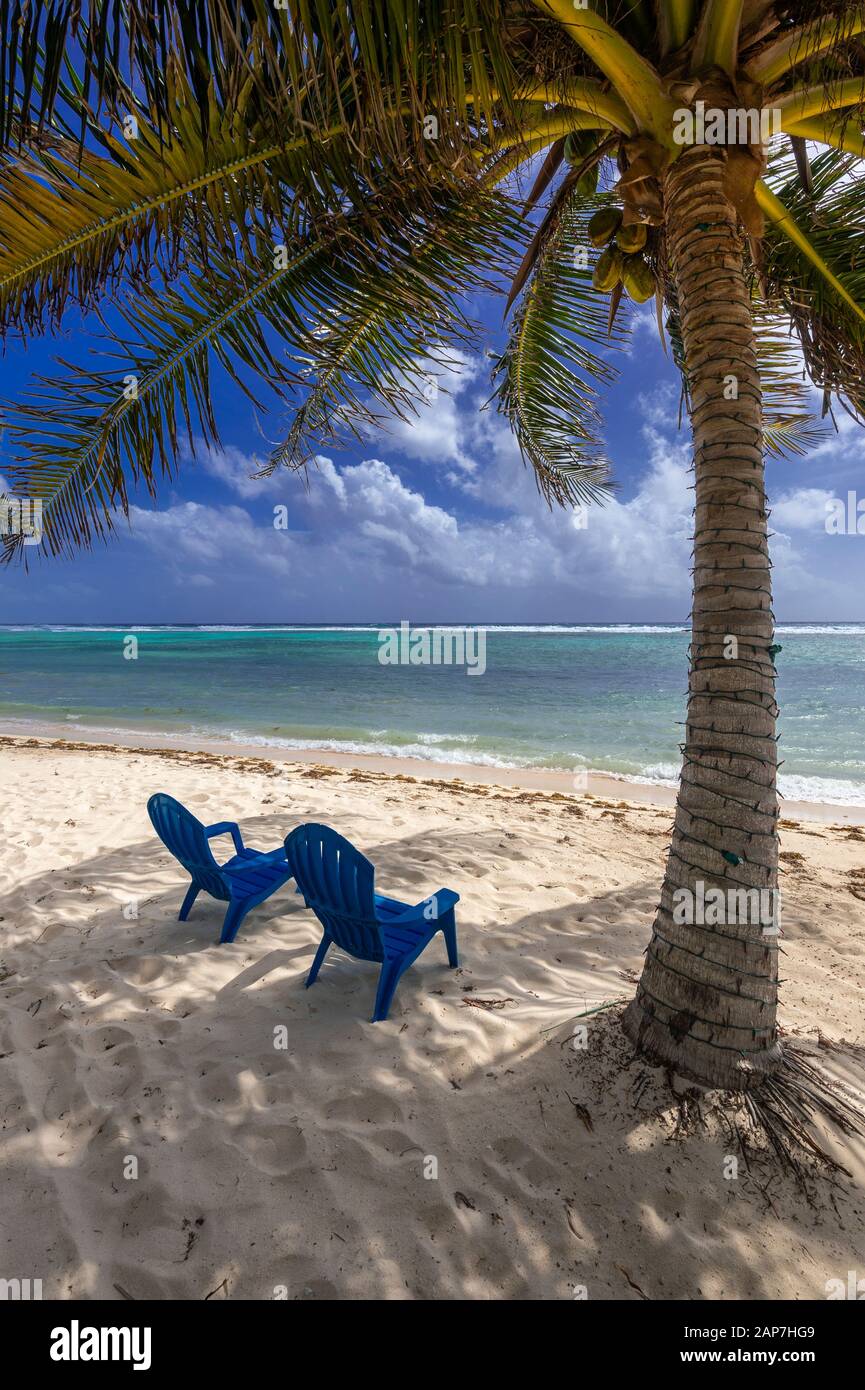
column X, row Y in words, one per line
column 609, row 698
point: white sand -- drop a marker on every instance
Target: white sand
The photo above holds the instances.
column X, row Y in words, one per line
column 303, row 1169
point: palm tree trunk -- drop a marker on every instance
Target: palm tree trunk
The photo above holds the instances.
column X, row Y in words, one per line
column 707, row 998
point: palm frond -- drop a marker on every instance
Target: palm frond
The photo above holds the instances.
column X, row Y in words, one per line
column 402, row 312
column 842, row 134
column 803, row 43
column 717, row 39
column 83, row 439
column 74, row 222
column 547, row 172
column 801, row 103
column 596, row 149
column 110, row 38
column 343, row 301
column 675, row 21
column 789, row 426
column 450, row 61
column 557, row 353
column 123, row 44
column 814, row 267
column 33, row 45
column 634, row 79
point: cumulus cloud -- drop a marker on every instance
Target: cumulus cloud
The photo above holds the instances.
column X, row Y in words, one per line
column 204, row 542
column 369, row 513
column 236, row 469
column 363, row 537
column 803, row 509
column 438, row 434
column 364, row 520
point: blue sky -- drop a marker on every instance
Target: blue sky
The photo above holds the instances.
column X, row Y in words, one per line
column 438, row 521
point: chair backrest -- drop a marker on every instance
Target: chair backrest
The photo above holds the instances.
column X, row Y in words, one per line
column 183, row 834
column 339, row 885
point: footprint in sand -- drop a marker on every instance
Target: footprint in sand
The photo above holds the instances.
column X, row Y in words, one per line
column 138, row 970
column 522, row 1161
column 100, row 1040
column 437, row 1219
column 274, row 1150
column 316, row 1290
column 222, row 1086
column 365, row 1107
column 278, row 1090
column 398, row 1145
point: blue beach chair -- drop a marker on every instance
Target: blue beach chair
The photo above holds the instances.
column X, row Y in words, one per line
column 243, row 881
column 338, row 883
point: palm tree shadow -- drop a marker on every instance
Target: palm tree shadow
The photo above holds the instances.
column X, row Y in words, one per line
column 464, row 1148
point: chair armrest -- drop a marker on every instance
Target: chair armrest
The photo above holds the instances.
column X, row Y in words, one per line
column 226, row 827
column 431, row 909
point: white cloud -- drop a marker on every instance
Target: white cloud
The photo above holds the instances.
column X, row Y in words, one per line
column 365, row 521
column 803, row 509
column 438, row 434
column 216, row 540
column 235, row 468
column 365, row 541
column 643, row 319
column 660, row 408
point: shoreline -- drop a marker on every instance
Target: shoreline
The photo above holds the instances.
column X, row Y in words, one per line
column 598, row 785
column 241, row 1093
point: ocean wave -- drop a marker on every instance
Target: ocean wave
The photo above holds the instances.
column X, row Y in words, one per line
column 433, row 739
column 514, row 629
column 833, row 791
column 424, row 752
column 281, row 627
column 444, row 749
column 656, row 775
column 820, row 630
column 625, row 629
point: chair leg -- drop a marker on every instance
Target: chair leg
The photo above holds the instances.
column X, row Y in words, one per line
column 233, row 918
column 449, row 931
column 192, row 893
column 387, row 983
column 319, row 959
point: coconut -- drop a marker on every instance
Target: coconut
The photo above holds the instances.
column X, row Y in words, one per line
column 604, row 225
column 638, row 279
column 633, row 238
column 608, row 271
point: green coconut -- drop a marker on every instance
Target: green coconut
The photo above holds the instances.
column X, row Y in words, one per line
column 632, row 238
column 579, row 144
column 604, row 225
column 608, row 270
column 638, row 279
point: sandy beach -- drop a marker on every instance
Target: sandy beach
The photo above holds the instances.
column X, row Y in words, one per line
column 158, row 1144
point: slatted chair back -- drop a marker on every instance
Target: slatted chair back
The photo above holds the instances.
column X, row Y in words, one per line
column 338, row 883
column 183, row 834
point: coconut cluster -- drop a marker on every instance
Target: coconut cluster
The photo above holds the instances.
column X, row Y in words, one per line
column 623, row 260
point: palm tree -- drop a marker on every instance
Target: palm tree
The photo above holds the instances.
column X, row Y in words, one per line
column 304, row 192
